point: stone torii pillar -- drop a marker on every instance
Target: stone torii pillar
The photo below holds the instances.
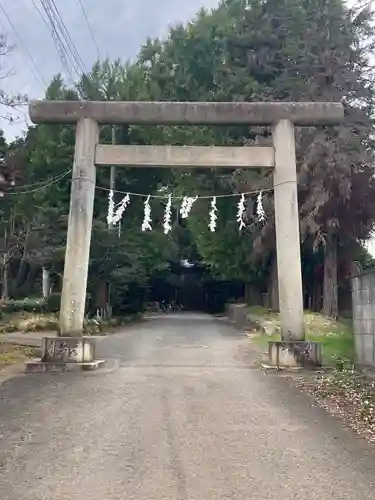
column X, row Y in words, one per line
column 283, row 116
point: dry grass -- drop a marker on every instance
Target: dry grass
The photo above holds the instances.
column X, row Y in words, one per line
column 11, row 354
column 28, row 322
column 24, row 322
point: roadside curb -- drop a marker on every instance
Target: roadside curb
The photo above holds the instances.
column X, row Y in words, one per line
column 18, row 370
column 111, row 365
column 36, row 342
column 100, row 367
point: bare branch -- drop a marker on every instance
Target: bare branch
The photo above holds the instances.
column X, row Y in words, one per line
column 6, row 100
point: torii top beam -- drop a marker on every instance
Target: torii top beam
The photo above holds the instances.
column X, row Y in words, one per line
column 190, row 113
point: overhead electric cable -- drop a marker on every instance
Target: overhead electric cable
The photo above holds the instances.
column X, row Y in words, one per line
column 90, row 28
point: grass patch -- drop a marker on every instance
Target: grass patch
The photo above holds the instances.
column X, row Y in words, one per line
column 336, row 336
column 11, row 354
column 261, row 311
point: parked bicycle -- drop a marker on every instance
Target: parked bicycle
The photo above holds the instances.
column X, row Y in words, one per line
column 176, row 307
column 165, row 306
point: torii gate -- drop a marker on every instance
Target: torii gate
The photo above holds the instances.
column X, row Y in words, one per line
column 283, row 116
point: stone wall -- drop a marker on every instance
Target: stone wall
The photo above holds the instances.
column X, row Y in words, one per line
column 363, row 297
column 237, row 314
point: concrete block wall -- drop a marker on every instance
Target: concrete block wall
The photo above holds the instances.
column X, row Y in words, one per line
column 363, row 297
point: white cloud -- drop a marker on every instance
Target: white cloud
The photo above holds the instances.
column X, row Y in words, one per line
column 120, row 29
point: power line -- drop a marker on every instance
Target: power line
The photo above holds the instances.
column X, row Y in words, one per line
column 64, row 45
column 56, row 45
column 37, row 73
column 41, row 183
column 59, row 44
column 42, row 186
column 90, row 28
column 67, row 36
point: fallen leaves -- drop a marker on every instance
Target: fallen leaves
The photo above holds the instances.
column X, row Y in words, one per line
column 11, row 354
column 347, row 394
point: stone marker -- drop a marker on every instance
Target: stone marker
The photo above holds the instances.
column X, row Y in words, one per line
column 65, row 353
column 284, row 354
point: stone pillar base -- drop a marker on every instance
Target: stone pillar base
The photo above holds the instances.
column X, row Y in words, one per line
column 299, row 354
column 38, row 366
column 68, row 350
column 64, row 354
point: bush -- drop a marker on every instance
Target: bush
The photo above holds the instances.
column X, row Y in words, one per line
column 35, row 305
column 29, row 322
column 52, row 304
column 37, row 322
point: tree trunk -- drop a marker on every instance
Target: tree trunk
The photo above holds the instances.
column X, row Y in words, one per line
column 21, row 274
column 317, row 296
column 330, row 299
column 273, row 288
column 32, row 274
column 5, row 282
column 4, row 268
column 252, row 295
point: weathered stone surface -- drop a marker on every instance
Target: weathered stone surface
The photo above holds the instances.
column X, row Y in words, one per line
column 355, row 284
column 73, row 294
column 237, row 313
column 191, row 113
column 94, row 365
column 38, row 366
column 363, row 298
column 294, row 354
column 186, row 156
column 367, row 350
column 288, row 242
column 367, row 312
column 358, row 347
column 68, row 350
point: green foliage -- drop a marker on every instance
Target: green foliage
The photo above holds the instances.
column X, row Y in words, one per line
column 336, row 337
column 276, row 50
column 269, row 50
column 34, row 305
column 362, row 256
column 52, row 303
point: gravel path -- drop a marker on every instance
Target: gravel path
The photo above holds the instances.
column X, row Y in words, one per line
column 184, row 417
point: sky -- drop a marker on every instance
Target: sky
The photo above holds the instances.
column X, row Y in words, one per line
column 120, row 28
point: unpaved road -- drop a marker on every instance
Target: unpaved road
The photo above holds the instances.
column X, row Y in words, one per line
column 184, row 417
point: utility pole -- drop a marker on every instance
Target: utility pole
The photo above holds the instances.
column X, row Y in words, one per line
column 112, row 186
column 112, row 180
